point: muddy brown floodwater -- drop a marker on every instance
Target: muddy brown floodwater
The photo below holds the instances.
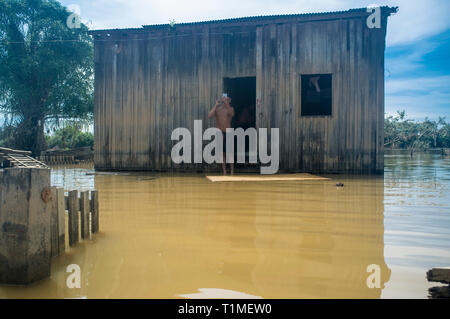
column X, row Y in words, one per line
column 173, row 236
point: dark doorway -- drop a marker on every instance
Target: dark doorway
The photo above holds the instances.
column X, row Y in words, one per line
column 242, row 92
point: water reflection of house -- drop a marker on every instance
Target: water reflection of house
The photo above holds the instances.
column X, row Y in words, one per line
column 319, row 78
column 301, row 240
column 327, row 243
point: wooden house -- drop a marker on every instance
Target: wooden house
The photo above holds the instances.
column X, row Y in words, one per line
column 317, row 77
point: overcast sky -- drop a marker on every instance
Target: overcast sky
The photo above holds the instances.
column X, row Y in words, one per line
column 418, row 46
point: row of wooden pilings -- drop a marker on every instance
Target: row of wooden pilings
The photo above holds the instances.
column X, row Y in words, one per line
column 83, row 214
column 57, row 159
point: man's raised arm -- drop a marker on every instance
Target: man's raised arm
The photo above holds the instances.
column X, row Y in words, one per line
column 213, row 110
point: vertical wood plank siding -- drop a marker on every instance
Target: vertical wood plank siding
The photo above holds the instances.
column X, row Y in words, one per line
column 149, row 83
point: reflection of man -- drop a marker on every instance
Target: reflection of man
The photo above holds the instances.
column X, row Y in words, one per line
column 224, row 112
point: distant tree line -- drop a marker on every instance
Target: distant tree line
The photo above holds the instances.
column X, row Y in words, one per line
column 71, row 134
column 403, row 133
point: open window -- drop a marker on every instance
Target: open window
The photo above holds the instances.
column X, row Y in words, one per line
column 316, row 95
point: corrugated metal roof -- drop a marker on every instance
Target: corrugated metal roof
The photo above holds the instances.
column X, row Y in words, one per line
column 261, row 19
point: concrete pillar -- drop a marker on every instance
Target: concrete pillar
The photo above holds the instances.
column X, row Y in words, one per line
column 25, row 210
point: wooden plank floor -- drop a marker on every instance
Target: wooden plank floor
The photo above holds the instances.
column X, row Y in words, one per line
column 266, row 178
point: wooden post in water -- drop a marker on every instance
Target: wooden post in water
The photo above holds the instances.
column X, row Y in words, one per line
column 73, row 217
column 84, row 214
column 54, row 222
column 441, row 275
column 61, row 220
column 57, row 222
column 94, row 211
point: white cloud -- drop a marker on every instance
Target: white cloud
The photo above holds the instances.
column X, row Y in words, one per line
column 415, row 20
column 420, row 97
column 411, row 60
column 418, row 85
column 135, row 13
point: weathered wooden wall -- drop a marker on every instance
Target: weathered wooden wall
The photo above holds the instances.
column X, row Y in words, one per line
column 351, row 139
column 149, row 82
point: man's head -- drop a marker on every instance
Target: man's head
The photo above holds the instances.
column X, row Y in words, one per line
column 226, row 100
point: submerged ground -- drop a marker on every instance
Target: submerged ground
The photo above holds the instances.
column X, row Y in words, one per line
column 168, row 236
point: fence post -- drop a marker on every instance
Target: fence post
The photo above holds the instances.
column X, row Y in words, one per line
column 61, row 220
column 84, row 214
column 94, row 211
column 54, row 222
column 73, row 217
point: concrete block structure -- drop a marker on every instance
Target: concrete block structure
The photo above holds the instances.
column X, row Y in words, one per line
column 25, row 212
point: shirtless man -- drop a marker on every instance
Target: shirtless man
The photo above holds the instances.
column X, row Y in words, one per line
column 224, row 112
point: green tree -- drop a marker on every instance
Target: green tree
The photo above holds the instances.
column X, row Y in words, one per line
column 70, row 136
column 444, row 135
column 46, row 71
column 401, row 132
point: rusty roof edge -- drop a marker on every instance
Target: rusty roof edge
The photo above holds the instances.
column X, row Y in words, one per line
column 357, row 12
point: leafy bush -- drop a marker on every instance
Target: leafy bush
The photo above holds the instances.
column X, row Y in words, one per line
column 69, row 137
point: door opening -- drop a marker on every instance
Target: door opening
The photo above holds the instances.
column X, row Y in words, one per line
column 242, row 92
